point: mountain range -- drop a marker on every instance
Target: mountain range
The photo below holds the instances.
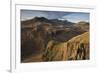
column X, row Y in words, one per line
column 45, row 39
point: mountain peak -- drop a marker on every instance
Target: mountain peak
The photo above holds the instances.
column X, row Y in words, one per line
column 40, row 19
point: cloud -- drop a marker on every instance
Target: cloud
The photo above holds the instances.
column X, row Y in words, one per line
column 76, row 17
column 71, row 16
column 27, row 14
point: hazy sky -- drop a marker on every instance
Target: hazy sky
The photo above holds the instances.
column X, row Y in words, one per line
column 71, row 16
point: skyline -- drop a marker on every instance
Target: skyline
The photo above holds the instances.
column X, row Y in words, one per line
column 70, row 16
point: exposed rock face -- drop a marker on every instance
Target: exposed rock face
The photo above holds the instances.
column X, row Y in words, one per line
column 76, row 48
column 55, row 51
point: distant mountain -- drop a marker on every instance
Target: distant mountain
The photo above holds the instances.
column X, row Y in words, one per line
column 61, row 22
column 43, row 20
column 82, row 25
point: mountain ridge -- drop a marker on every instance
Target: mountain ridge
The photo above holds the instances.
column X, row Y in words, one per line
column 39, row 32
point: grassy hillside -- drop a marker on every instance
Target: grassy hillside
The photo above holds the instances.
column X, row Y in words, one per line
column 76, row 48
column 55, row 51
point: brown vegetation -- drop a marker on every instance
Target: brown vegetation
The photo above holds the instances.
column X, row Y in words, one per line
column 76, row 48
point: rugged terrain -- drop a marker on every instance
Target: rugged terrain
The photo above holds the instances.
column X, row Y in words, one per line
column 54, row 40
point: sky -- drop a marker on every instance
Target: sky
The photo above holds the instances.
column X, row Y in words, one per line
column 70, row 16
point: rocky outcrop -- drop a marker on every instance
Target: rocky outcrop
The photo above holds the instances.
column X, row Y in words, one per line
column 55, row 51
column 76, row 48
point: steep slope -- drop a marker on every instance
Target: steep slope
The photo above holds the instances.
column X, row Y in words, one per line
column 55, row 51
column 76, row 48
